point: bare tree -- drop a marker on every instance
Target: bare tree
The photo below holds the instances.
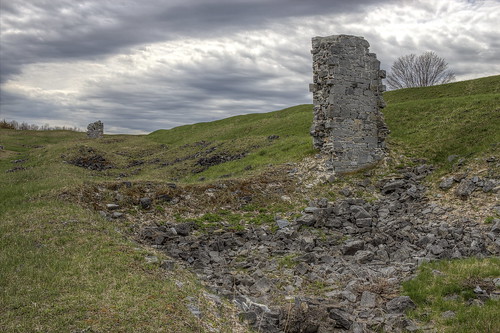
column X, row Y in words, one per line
column 24, row 126
column 427, row 69
column 6, row 125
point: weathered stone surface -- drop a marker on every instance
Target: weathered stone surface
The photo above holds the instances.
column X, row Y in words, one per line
column 307, row 219
column 368, row 299
column 363, row 257
column 145, row 203
column 496, row 226
column 400, row 304
column 352, row 247
column 151, row 259
column 341, row 318
column 347, row 95
column 183, row 229
column 282, row 223
column 95, row 130
column 448, row 314
column 112, row 206
column 465, row 188
column 446, row 183
column 392, row 186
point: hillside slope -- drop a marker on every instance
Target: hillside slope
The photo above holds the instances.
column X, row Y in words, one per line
column 72, row 261
column 243, row 143
column 433, row 123
column 461, row 118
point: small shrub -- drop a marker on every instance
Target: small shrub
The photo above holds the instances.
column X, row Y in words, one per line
column 6, row 125
column 160, row 209
column 210, row 217
column 288, row 261
column 489, row 219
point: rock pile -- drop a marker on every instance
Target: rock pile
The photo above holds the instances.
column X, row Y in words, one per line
column 336, row 267
column 89, row 158
column 467, row 185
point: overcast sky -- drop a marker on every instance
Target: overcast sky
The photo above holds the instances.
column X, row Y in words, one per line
column 142, row 65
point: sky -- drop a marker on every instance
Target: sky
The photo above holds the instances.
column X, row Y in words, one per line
column 143, row 65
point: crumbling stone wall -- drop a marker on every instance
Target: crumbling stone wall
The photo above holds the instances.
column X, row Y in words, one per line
column 95, row 130
column 348, row 125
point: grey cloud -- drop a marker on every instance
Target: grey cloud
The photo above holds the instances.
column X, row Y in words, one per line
column 167, row 100
column 65, row 30
column 37, row 111
column 223, row 83
column 57, row 30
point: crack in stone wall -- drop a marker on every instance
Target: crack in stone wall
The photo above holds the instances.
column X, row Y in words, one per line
column 347, row 95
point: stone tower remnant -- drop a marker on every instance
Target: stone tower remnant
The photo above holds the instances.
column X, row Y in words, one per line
column 348, row 125
column 95, row 130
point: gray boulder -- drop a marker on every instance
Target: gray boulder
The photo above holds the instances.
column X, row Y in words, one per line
column 145, row 203
column 307, row 219
column 350, row 248
column 465, row 189
column 400, row 304
column 282, row 223
column 446, row 183
column 496, row 226
column 341, row 318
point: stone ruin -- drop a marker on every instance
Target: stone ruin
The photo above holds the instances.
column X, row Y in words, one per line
column 348, row 126
column 95, row 130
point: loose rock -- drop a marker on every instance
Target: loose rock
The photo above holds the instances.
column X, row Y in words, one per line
column 400, row 304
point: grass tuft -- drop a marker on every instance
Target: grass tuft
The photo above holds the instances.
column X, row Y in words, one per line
column 449, row 286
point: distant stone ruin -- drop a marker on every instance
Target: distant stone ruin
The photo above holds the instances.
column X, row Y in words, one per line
column 95, row 130
column 348, row 125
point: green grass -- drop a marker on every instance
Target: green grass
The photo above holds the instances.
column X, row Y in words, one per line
column 460, row 118
column 438, row 280
column 64, row 268
column 294, row 121
column 288, row 261
column 484, row 86
column 247, row 134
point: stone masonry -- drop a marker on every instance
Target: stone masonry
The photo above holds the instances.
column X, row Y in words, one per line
column 348, row 126
column 95, row 130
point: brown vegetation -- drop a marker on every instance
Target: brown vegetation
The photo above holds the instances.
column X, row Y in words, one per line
column 24, row 126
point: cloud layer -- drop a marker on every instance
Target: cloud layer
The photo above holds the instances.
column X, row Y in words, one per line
column 140, row 66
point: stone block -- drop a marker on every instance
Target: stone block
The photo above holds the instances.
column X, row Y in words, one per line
column 347, row 104
column 95, row 130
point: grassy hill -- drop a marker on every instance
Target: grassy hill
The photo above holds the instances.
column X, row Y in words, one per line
column 461, row 118
column 254, row 141
column 63, row 267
